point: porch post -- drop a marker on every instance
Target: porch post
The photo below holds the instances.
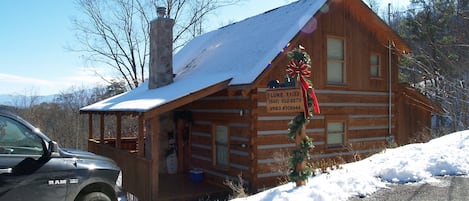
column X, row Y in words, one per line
column 90, row 125
column 154, row 153
column 90, row 130
column 180, row 144
column 118, row 130
column 141, row 136
column 101, row 129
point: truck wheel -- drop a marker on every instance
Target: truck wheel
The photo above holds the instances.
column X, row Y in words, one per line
column 96, row 196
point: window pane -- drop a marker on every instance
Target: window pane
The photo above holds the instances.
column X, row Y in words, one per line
column 221, row 134
column 222, row 155
column 374, row 60
column 335, row 133
column 335, row 72
column 221, row 145
column 374, row 65
column 374, row 72
column 335, row 138
column 335, row 127
column 335, row 49
column 18, row 139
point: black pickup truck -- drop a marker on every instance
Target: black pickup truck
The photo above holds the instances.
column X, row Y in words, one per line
column 33, row 167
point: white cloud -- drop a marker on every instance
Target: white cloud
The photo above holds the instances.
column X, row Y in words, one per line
column 21, row 80
column 16, row 84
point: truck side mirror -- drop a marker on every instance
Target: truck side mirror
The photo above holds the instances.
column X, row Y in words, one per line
column 53, row 149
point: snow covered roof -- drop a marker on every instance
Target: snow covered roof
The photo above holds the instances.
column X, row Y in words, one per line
column 239, row 52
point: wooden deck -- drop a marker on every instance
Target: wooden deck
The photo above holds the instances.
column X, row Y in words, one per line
column 179, row 187
column 172, row 187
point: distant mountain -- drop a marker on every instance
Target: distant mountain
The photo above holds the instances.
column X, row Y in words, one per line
column 12, row 100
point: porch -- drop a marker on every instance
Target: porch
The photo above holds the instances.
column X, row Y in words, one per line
column 136, row 171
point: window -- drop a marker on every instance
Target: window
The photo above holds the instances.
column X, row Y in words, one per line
column 220, row 146
column 17, row 139
column 335, row 61
column 336, row 134
column 375, row 65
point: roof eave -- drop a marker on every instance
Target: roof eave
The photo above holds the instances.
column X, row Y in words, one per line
column 171, row 105
column 383, row 32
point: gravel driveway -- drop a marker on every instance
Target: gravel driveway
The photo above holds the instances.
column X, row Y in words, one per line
column 450, row 188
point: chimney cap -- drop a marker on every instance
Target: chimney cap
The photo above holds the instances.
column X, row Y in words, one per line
column 161, row 12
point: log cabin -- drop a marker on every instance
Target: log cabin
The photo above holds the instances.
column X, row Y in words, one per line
column 208, row 102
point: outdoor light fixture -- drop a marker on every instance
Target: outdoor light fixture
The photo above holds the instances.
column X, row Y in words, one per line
column 240, row 145
column 242, row 112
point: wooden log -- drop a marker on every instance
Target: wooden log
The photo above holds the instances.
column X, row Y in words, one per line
column 302, row 165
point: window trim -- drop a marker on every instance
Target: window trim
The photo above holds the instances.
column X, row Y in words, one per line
column 214, row 146
column 337, row 119
column 379, row 66
column 344, row 61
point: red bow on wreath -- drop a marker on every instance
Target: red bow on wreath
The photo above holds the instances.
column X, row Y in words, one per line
column 302, row 70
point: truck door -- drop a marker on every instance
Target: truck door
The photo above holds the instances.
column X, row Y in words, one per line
column 24, row 167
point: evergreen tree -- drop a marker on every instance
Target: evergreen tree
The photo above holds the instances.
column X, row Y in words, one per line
column 437, row 31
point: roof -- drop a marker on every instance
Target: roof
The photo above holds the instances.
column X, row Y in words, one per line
column 419, row 99
column 232, row 55
column 382, row 31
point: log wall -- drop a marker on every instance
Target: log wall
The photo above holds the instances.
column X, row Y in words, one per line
column 232, row 110
column 362, row 102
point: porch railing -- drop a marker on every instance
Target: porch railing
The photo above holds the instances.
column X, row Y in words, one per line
column 135, row 169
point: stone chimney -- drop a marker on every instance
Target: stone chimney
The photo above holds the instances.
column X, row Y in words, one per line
column 161, row 50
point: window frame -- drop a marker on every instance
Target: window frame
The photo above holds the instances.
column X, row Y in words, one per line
column 215, row 145
column 343, row 61
column 344, row 133
column 378, row 66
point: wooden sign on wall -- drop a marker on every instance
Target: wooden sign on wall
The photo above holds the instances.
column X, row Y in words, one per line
column 284, row 100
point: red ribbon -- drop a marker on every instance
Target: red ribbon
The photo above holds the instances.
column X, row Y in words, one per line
column 301, row 69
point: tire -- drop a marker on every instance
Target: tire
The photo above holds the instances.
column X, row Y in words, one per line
column 96, row 196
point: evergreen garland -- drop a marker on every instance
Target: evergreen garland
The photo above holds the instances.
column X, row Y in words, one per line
column 298, row 54
column 300, row 157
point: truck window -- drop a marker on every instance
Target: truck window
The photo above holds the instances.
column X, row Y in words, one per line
column 17, row 139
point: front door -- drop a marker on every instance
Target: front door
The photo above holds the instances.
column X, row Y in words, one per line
column 183, row 130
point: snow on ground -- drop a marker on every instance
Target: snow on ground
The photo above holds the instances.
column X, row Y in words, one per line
column 447, row 155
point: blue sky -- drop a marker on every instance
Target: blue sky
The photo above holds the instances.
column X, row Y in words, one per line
column 34, row 35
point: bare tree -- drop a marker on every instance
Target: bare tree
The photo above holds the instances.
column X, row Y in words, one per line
column 115, row 32
column 374, row 5
column 26, row 99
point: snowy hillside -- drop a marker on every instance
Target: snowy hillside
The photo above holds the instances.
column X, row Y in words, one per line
column 411, row 163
